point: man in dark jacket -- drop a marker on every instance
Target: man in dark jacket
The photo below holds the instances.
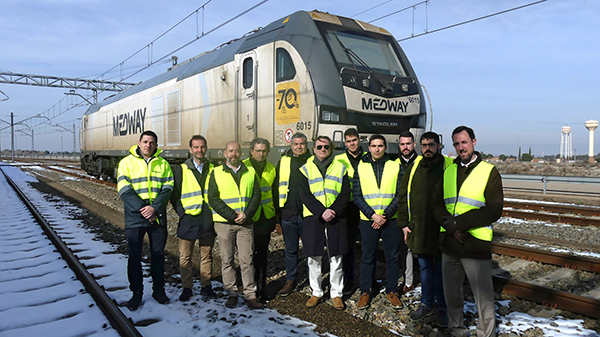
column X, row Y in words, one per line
column 325, row 191
column 145, row 211
column 468, row 201
column 289, row 206
column 350, row 158
column 195, row 217
column 376, row 187
column 234, row 195
column 420, row 227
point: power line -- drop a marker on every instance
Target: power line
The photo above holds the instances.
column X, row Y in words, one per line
column 472, row 20
column 369, row 9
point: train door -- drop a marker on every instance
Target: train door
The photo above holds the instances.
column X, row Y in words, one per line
column 247, row 95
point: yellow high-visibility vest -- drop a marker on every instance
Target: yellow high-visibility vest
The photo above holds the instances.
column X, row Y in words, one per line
column 266, row 190
column 146, row 179
column 192, row 195
column 284, row 179
column 344, row 159
column 325, row 189
column 471, row 195
column 235, row 197
column 378, row 198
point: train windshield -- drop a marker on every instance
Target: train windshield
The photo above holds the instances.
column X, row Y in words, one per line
column 359, row 52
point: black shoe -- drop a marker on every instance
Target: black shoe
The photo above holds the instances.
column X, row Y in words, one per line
column 349, row 288
column 231, row 302
column 208, row 292
column 135, row 300
column 185, row 295
column 254, row 304
column 160, row 296
column 421, row 312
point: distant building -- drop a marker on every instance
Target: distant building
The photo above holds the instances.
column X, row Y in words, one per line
column 511, row 160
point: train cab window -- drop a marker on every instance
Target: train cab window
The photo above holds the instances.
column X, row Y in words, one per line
column 284, row 66
column 247, row 76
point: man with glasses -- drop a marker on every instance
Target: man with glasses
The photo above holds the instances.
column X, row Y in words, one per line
column 289, row 206
column 264, row 218
column 416, row 218
column 376, row 187
column 350, row 158
column 324, row 191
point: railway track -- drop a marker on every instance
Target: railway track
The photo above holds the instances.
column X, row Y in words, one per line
column 26, row 246
column 587, row 303
column 571, row 214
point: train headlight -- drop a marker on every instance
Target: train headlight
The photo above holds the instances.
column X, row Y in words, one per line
column 329, row 116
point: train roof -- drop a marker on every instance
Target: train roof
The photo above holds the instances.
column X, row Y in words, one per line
column 298, row 21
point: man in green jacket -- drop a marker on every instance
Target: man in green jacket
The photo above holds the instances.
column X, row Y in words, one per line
column 421, row 229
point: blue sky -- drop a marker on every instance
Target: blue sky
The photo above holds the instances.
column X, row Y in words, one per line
column 515, row 78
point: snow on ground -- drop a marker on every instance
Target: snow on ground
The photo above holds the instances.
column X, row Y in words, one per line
column 200, row 317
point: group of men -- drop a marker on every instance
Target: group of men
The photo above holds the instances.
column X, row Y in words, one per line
column 428, row 205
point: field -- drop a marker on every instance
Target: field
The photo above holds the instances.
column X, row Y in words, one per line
column 578, row 169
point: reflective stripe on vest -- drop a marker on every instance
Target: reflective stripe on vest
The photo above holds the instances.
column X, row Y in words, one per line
column 327, row 189
column 344, row 159
column 192, row 195
column 284, row 179
column 237, row 198
column 471, row 195
column 378, row 198
column 447, row 162
column 266, row 190
column 146, row 179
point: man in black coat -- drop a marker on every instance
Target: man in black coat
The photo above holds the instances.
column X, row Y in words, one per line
column 194, row 225
column 325, row 192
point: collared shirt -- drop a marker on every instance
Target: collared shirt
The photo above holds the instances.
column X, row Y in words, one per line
column 234, row 169
column 409, row 158
column 198, row 167
column 473, row 159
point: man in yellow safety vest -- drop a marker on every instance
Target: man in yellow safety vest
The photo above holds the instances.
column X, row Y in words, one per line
column 467, row 202
column 195, row 217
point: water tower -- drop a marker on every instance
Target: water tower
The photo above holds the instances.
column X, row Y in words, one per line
column 591, row 125
column 566, row 145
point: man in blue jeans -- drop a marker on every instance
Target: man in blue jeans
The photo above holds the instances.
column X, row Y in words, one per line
column 420, row 227
column 289, row 206
column 375, row 187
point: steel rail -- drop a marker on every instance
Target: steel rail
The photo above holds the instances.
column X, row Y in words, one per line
column 554, row 208
column 558, row 259
column 549, row 297
column 118, row 320
column 573, row 220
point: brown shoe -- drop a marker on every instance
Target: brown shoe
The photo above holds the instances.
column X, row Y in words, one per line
column 408, row 288
column 288, row 288
column 364, row 301
column 338, row 303
column 395, row 300
column 313, row 301
column 254, row 304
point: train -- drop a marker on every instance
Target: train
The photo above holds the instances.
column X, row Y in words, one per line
column 310, row 72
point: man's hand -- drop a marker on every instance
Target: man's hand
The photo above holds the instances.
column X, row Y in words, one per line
column 147, row 211
column 406, row 231
column 241, row 218
column 449, row 224
column 153, row 218
column 328, row 215
column 378, row 221
column 460, row 237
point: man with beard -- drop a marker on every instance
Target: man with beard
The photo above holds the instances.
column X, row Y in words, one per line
column 324, row 191
column 468, row 201
column 406, row 145
column 350, row 158
column 234, row 195
column 264, row 218
column 422, row 230
column 195, row 217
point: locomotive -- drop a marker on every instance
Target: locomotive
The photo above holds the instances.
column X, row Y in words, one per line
column 309, row 72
